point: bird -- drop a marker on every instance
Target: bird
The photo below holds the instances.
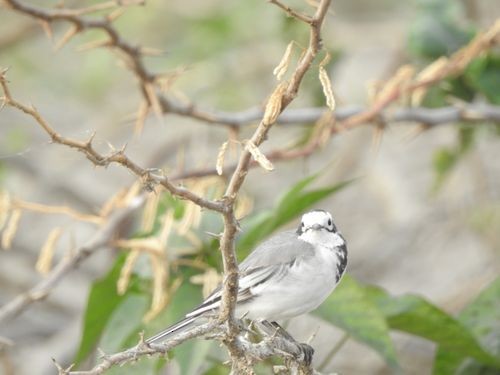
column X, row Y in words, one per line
column 288, row 275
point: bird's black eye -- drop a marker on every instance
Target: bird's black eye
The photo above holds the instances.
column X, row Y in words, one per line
column 302, row 225
column 329, row 222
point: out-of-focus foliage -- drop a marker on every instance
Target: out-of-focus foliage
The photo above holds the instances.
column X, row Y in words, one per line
column 103, row 311
column 482, row 319
column 439, row 30
column 351, row 309
column 367, row 313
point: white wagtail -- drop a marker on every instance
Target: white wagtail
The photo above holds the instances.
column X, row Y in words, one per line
column 290, row 274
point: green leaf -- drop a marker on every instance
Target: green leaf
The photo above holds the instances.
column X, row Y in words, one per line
column 415, row 315
column 483, row 74
column 438, row 29
column 124, row 324
column 446, row 159
column 293, row 207
column 351, row 309
column 101, row 303
column 443, row 161
column 482, row 319
column 294, row 202
column 217, row 369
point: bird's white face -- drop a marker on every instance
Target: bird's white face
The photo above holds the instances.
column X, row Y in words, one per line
column 317, row 228
column 317, row 220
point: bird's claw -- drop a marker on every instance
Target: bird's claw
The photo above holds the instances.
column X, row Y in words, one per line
column 307, row 353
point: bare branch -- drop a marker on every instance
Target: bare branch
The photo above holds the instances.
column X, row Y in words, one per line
column 291, row 12
column 143, row 349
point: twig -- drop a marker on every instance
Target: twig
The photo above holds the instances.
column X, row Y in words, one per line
column 143, row 349
column 291, row 12
column 99, row 240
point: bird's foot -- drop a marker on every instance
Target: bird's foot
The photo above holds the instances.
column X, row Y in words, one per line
column 307, row 353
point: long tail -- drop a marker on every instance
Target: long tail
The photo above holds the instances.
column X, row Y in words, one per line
column 173, row 330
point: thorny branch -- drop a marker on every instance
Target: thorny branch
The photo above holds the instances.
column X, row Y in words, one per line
column 118, row 156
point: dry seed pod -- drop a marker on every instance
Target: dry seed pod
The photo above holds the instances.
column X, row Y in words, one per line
column 219, row 166
column 327, row 88
column 11, row 229
column 273, row 106
column 44, row 262
column 126, row 271
column 259, row 156
column 282, row 67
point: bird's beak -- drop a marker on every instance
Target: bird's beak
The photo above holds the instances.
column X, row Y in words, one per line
column 316, row 226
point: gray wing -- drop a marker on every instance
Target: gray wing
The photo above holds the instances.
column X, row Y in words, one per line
column 279, row 249
column 270, row 259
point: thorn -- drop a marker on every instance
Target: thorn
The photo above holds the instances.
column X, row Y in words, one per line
column 124, row 147
column 215, row 235
column 114, row 15
column 47, row 29
column 61, row 370
column 88, row 144
column 313, row 335
column 142, row 342
column 72, row 31
column 101, row 353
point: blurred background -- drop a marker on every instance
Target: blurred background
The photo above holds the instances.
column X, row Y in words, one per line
column 422, row 215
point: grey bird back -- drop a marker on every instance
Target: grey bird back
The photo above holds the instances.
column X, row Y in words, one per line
column 282, row 248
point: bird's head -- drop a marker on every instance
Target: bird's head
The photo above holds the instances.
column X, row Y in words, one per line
column 317, row 220
column 317, row 228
